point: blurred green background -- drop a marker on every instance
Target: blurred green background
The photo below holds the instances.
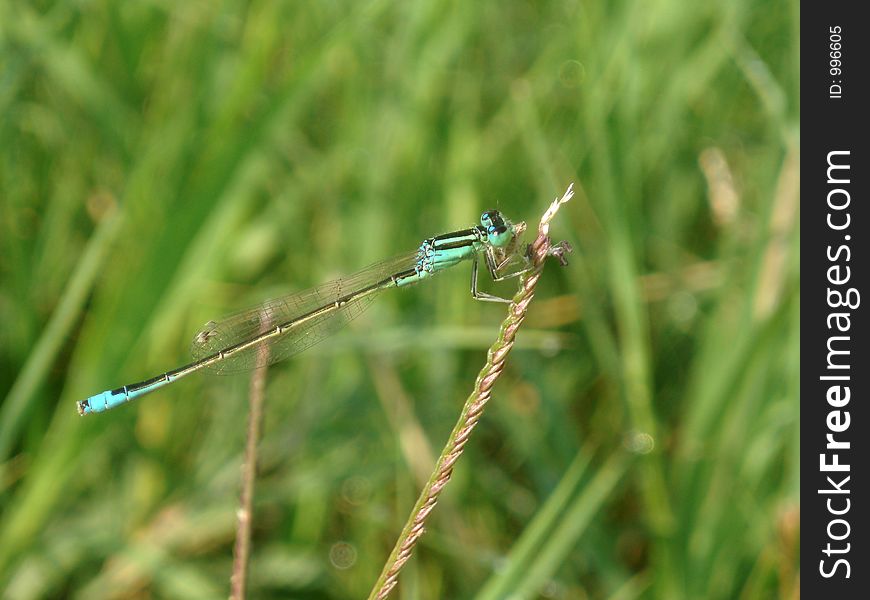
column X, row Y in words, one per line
column 162, row 164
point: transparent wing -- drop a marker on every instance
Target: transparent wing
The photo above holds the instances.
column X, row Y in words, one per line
column 248, row 324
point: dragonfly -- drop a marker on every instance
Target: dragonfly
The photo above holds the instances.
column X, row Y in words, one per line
column 280, row 328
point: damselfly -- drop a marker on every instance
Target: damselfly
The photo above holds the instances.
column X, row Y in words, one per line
column 285, row 326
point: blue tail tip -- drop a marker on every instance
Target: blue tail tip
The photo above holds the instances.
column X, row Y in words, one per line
column 86, row 407
column 95, row 404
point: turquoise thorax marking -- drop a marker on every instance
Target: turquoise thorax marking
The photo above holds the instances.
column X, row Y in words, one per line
column 442, row 252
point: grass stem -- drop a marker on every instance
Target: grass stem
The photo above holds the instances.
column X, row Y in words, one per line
column 414, row 528
column 242, row 547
